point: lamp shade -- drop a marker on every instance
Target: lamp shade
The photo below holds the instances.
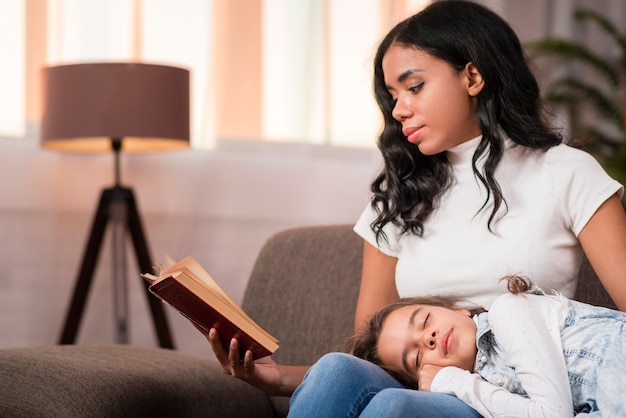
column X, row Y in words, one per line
column 145, row 106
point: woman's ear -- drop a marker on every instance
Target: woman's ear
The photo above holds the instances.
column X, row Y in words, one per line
column 475, row 82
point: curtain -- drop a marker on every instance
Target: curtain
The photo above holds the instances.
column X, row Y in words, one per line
column 263, row 70
column 12, row 70
column 269, row 70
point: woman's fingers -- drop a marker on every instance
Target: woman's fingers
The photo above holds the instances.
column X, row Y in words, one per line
column 219, row 350
column 233, row 354
column 248, row 361
column 230, row 359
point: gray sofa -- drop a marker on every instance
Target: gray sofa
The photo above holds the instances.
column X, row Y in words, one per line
column 303, row 289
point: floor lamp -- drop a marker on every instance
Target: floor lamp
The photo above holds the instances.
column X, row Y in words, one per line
column 115, row 107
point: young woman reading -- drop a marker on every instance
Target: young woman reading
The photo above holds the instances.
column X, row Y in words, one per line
column 476, row 184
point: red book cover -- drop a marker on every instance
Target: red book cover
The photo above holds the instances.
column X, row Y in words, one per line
column 193, row 293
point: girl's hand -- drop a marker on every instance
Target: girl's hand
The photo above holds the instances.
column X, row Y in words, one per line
column 425, row 376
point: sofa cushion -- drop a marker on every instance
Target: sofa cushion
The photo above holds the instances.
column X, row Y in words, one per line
column 120, row 381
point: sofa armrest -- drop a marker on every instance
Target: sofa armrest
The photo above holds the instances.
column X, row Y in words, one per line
column 121, row 381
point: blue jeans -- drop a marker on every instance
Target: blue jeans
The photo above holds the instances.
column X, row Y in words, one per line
column 341, row 385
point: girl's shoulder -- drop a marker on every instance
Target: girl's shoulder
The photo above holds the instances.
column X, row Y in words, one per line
column 534, row 303
column 507, row 302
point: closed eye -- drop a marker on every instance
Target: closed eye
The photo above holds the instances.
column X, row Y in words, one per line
column 417, row 360
column 417, row 356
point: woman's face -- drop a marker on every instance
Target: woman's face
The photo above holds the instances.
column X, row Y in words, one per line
column 435, row 104
column 415, row 335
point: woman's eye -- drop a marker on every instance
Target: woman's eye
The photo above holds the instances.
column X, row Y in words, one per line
column 416, row 88
column 426, row 320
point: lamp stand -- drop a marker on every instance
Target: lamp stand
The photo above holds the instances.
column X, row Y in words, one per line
column 118, row 206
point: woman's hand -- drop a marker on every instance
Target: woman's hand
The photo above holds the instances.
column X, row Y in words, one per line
column 274, row 379
column 263, row 373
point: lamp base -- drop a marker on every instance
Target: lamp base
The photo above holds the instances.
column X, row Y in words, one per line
column 119, row 196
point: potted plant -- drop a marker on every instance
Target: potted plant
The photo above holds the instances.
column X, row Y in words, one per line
column 594, row 84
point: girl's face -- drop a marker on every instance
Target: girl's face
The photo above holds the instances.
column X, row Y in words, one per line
column 435, row 104
column 415, row 335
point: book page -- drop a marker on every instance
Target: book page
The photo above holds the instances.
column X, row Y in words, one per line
column 194, row 270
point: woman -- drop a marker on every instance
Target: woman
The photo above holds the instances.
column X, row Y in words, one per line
column 475, row 186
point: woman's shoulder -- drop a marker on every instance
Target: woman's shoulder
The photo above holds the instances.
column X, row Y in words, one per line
column 558, row 162
column 389, row 244
column 564, row 153
column 558, row 154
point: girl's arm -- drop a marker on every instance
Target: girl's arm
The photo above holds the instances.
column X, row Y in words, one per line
column 604, row 241
column 378, row 285
column 527, row 329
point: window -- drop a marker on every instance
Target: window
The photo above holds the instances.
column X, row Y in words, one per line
column 317, row 71
column 12, row 70
column 269, row 70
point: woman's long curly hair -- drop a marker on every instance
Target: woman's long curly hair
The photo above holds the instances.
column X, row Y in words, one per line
column 409, row 187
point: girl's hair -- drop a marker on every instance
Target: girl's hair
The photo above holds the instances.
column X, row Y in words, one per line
column 409, row 187
column 364, row 343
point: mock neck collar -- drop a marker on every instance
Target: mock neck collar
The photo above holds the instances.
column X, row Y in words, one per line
column 463, row 152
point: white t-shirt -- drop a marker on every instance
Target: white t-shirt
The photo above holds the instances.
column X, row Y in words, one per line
column 550, row 197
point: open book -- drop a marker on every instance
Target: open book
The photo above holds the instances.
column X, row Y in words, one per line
column 187, row 287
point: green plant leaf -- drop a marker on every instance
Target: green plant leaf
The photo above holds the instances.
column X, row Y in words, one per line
column 573, row 51
column 607, row 26
column 571, row 90
column 601, row 143
column 575, row 90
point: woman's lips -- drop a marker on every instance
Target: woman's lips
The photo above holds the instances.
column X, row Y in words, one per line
column 412, row 134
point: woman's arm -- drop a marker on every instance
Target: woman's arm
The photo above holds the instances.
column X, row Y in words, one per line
column 378, row 284
column 377, row 289
column 604, row 241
